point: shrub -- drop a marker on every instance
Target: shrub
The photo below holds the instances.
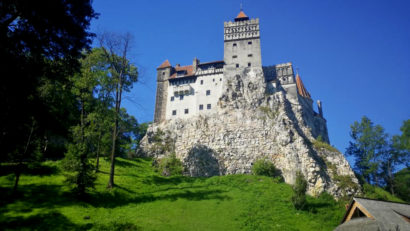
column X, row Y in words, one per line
column 264, row 167
column 319, row 144
column 170, row 166
column 299, row 191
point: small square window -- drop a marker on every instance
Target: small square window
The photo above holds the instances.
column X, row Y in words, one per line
column 202, row 82
column 208, row 92
column 249, row 64
column 172, row 98
column 186, row 111
column 174, row 112
column 250, row 43
column 201, row 107
column 208, row 106
column 237, row 65
column 250, row 55
column 181, row 97
column 220, row 79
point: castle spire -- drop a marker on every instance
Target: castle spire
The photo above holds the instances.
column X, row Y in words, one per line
column 241, row 16
column 301, row 88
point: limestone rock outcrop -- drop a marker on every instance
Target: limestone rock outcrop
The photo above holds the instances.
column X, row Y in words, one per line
column 253, row 122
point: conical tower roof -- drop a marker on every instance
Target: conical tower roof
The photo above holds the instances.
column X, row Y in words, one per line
column 164, row 64
column 241, row 16
column 301, row 88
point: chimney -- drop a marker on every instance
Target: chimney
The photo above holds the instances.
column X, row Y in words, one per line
column 195, row 64
column 177, row 65
column 319, row 108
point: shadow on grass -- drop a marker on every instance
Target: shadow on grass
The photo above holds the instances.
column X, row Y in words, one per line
column 52, row 220
column 159, row 180
column 115, row 198
column 32, row 196
column 32, row 169
column 127, row 163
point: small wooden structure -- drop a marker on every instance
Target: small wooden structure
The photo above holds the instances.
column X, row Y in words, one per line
column 368, row 214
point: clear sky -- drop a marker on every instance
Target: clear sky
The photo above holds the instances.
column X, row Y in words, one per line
column 354, row 55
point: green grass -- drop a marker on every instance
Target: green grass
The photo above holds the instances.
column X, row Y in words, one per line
column 144, row 200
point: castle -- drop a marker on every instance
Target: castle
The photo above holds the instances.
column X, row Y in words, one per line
column 186, row 91
column 220, row 117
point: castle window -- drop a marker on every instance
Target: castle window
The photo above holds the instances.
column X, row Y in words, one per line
column 201, row 107
column 208, row 106
column 249, row 64
column 250, row 55
column 237, row 65
column 163, row 73
column 235, row 56
column 213, row 80
column 202, row 81
column 234, row 45
column 250, row 43
column 208, row 92
column 172, row 98
column 186, row 111
column 220, row 79
column 174, row 112
column 181, row 97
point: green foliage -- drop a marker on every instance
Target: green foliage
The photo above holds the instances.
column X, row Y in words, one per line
column 368, row 145
column 299, row 191
column 148, row 201
column 79, row 171
column 402, row 184
column 162, row 142
column 319, row 144
column 264, row 167
column 170, row 166
column 374, row 192
column 344, row 182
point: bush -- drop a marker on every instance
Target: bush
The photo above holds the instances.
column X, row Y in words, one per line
column 264, row 167
column 170, row 166
column 320, row 144
column 299, row 191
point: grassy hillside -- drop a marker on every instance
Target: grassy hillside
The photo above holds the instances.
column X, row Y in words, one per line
column 143, row 200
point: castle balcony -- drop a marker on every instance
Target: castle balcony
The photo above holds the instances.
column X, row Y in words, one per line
column 182, row 89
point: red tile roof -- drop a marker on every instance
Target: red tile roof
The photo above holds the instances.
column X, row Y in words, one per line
column 188, row 69
column 164, row 64
column 301, row 88
column 241, row 15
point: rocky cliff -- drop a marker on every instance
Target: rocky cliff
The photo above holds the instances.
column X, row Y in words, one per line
column 252, row 123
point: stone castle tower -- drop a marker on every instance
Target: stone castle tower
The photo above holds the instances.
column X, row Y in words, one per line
column 242, row 43
column 219, row 117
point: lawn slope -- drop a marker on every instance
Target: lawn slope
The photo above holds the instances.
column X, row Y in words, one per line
column 144, row 200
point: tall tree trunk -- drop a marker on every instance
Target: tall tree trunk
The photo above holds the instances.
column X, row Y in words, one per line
column 98, row 152
column 114, row 141
column 20, row 164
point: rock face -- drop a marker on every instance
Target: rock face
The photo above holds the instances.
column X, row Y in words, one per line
column 252, row 123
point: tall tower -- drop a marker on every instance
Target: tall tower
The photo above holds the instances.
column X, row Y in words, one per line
column 241, row 42
column 163, row 74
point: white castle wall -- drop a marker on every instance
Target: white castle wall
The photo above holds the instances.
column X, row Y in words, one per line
column 196, row 96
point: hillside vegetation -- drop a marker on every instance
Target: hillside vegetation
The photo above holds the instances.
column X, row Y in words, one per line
column 144, row 200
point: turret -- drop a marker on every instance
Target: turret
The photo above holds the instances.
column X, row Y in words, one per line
column 319, row 108
column 163, row 74
column 195, row 64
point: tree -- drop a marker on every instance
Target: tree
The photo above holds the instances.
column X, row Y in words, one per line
column 123, row 74
column 401, row 184
column 369, row 145
column 84, row 85
column 37, row 46
column 299, row 191
column 398, row 154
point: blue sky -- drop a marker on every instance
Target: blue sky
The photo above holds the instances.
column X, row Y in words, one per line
column 353, row 55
